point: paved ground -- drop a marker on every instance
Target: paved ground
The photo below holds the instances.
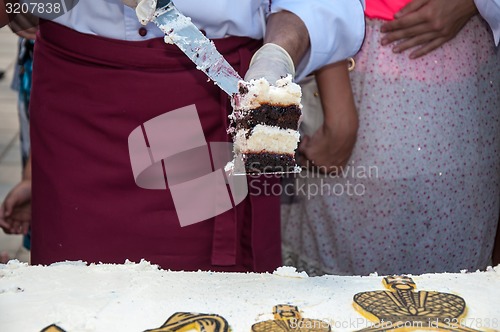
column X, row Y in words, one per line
column 10, row 157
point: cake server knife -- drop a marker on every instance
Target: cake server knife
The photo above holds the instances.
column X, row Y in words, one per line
column 182, row 32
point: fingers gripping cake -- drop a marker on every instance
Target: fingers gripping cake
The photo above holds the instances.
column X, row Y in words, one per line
column 264, row 125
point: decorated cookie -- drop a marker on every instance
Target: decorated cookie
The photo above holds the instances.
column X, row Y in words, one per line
column 52, row 328
column 401, row 307
column 288, row 318
column 184, row 321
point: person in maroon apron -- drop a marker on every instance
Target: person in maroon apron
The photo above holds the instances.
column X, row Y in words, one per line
column 86, row 205
column 90, row 92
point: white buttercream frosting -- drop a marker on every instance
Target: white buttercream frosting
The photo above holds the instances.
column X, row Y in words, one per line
column 136, row 297
column 260, row 92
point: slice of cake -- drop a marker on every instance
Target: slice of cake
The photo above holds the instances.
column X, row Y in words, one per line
column 264, row 125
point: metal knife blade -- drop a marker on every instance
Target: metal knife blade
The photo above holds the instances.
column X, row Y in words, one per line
column 183, row 33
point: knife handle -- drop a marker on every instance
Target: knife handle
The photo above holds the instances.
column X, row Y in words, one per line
column 162, row 3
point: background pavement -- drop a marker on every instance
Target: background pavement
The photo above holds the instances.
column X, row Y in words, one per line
column 10, row 155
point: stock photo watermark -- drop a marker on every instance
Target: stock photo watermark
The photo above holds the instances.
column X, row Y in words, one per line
column 195, row 171
column 360, row 323
column 24, row 14
column 334, row 181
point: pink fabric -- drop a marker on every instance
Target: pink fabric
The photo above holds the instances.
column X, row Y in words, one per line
column 384, row 9
column 89, row 93
column 426, row 160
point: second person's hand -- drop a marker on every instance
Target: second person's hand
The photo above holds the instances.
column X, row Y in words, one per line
column 15, row 211
column 330, row 146
column 427, row 24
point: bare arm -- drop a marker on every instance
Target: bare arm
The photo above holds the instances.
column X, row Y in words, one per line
column 336, row 94
column 288, row 31
column 15, row 211
column 27, row 169
column 285, row 44
column 330, row 147
column 24, row 25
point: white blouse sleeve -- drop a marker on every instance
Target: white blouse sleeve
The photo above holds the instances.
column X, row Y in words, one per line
column 336, row 29
column 490, row 10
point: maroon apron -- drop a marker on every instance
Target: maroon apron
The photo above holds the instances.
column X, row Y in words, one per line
column 89, row 93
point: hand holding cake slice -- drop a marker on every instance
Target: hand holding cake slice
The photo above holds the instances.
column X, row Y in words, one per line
column 264, row 125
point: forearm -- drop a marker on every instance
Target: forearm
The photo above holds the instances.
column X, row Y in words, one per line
column 288, row 31
column 27, row 169
column 334, row 87
column 332, row 144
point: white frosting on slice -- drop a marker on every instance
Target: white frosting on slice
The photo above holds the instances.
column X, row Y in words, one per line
column 267, row 139
column 260, row 92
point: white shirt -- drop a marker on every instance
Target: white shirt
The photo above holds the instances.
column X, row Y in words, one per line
column 490, row 11
column 336, row 27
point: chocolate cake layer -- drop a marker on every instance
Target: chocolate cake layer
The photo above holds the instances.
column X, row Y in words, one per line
column 284, row 117
column 269, row 163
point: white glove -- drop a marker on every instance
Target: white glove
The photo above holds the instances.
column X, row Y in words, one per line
column 272, row 62
column 144, row 9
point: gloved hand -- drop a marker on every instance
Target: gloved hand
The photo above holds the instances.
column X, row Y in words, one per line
column 144, row 9
column 272, row 62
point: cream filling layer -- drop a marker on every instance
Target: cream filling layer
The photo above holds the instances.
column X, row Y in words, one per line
column 267, row 139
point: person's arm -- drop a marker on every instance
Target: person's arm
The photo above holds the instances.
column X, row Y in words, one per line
column 490, row 11
column 427, row 24
column 285, row 43
column 25, row 25
column 288, row 31
column 15, row 211
column 314, row 33
column 331, row 145
column 336, row 30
